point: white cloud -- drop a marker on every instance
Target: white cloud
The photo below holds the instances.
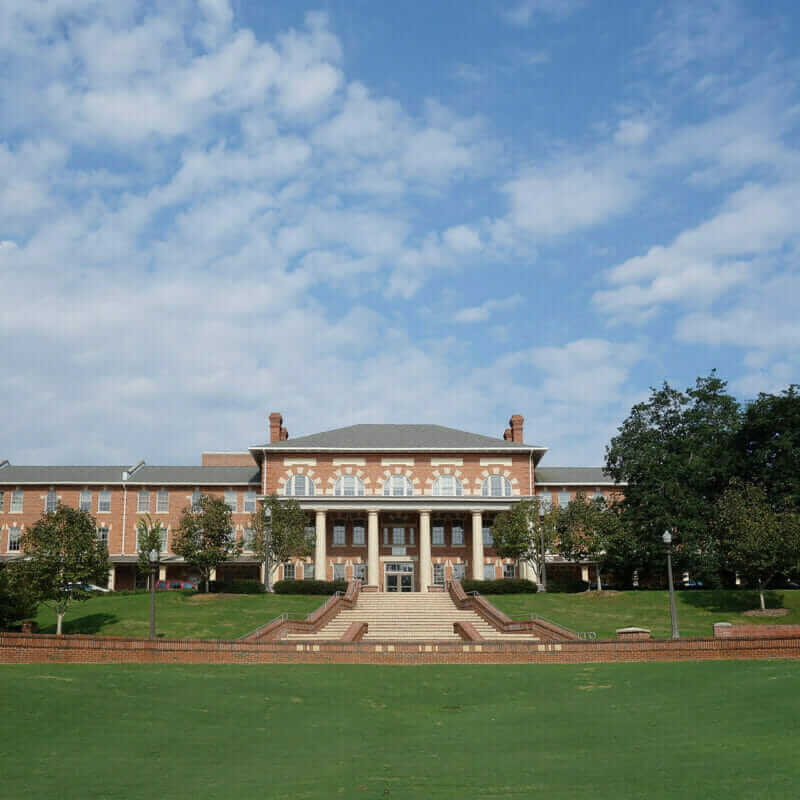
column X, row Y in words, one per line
column 631, row 132
column 484, row 311
column 526, row 11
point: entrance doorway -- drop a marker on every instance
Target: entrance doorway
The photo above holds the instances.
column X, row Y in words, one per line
column 399, row 577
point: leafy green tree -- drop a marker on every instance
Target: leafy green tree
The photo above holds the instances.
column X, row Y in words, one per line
column 62, row 555
column 581, row 530
column 758, row 542
column 16, row 599
column 768, row 445
column 622, row 555
column 279, row 532
column 526, row 533
column 205, row 537
column 149, row 536
column 675, row 452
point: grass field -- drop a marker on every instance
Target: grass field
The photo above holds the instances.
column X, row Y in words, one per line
column 712, row 730
column 604, row 612
column 201, row 616
column 230, row 616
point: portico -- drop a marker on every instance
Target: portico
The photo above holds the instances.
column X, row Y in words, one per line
column 419, row 546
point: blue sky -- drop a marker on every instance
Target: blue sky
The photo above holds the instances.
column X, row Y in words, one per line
column 363, row 211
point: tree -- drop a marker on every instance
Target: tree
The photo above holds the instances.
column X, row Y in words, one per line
column 581, row 531
column 675, row 453
column 16, row 599
column 62, row 555
column 526, row 533
column 149, row 536
column 768, row 446
column 757, row 541
column 205, row 537
column 279, row 532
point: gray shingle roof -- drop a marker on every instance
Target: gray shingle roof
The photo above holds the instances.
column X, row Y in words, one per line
column 565, row 476
column 195, row 476
column 398, row 437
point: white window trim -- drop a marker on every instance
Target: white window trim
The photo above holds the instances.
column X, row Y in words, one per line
column 159, row 494
column 100, row 494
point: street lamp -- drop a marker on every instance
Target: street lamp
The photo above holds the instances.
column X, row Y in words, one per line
column 667, row 537
column 154, row 568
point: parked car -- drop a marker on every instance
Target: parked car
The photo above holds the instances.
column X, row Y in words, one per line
column 690, row 584
column 89, row 587
column 164, row 586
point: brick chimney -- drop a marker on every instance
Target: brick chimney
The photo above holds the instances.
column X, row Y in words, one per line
column 516, row 422
column 275, row 427
column 507, row 434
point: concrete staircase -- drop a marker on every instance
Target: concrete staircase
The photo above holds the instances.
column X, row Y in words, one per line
column 408, row 616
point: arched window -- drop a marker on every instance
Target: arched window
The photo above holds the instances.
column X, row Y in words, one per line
column 447, row 486
column 300, row 486
column 349, row 486
column 398, row 486
column 496, row 486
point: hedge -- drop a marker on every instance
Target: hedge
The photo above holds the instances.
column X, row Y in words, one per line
column 310, row 587
column 503, row 586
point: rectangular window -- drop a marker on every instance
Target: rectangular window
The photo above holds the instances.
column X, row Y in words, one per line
column 288, row 572
column 458, row 534
column 459, row 571
column 164, row 536
column 338, row 534
column 2, row 498
column 16, row 501
column 14, row 536
column 162, row 502
column 488, row 541
column 247, row 539
column 545, row 502
column 51, row 502
column 358, row 533
column 249, row 502
column 488, row 572
column 85, row 502
column 398, row 537
column 338, row 572
column 197, row 505
column 509, row 571
column 438, row 574
column 143, row 502
column 311, row 535
column 308, row 572
column 102, row 534
column 231, row 501
column 104, row 501
column 563, row 499
column 360, row 572
column 437, row 534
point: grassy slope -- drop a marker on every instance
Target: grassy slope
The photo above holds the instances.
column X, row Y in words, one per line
column 604, row 612
column 714, row 730
column 229, row 616
column 178, row 616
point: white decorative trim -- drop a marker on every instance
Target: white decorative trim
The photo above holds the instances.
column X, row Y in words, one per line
column 403, row 462
column 441, row 462
column 358, row 462
column 293, row 462
column 496, row 460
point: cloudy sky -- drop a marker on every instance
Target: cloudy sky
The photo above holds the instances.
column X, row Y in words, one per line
column 370, row 211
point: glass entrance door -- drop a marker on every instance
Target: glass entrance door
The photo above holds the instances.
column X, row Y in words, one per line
column 399, row 577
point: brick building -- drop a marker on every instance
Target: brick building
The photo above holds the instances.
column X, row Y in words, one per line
column 404, row 507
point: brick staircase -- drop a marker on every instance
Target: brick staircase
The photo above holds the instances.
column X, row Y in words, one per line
column 407, row 616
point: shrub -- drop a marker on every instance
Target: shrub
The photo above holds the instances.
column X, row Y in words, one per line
column 310, row 587
column 566, row 584
column 241, row 586
column 503, row 586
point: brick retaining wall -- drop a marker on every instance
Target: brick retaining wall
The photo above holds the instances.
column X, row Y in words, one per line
column 18, row 648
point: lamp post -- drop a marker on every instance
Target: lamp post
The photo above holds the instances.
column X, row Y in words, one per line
column 667, row 537
column 154, row 567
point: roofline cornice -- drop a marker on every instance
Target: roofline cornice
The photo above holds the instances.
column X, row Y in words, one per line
column 311, row 449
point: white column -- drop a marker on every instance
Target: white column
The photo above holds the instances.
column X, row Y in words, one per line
column 477, row 546
column 112, row 576
column 162, row 573
column 425, row 570
column 373, row 559
column 320, row 556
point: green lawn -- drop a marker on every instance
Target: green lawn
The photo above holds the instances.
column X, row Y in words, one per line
column 604, row 612
column 713, row 730
column 202, row 616
column 230, row 616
